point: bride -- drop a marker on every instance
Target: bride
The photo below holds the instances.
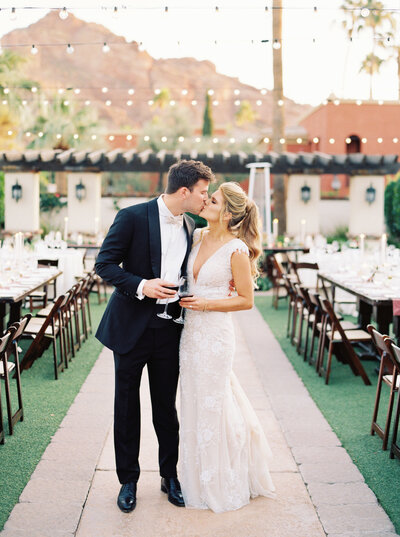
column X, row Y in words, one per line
column 223, row 447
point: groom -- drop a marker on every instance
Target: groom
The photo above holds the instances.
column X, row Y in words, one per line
column 146, row 242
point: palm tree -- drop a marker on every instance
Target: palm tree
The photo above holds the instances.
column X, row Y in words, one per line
column 278, row 120
column 366, row 15
column 371, row 65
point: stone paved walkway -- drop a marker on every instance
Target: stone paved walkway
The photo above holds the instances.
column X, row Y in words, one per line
column 319, row 490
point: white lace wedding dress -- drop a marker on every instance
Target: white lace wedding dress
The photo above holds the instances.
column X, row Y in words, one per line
column 223, row 459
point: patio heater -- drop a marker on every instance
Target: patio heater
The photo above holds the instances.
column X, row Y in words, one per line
column 260, row 192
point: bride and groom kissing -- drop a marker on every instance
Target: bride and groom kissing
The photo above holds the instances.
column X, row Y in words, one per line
column 148, row 248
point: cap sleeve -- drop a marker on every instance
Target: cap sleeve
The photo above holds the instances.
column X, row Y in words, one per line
column 238, row 245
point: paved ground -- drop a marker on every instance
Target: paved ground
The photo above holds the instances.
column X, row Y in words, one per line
column 319, row 490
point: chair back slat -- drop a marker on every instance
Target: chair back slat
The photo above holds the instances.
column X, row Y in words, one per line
column 6, row 340
column 393, row 352
column 378, row 339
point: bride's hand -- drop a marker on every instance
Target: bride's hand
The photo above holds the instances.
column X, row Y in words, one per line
column 195, row 303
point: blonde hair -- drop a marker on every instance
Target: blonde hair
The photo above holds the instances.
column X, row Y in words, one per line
column 245, row 221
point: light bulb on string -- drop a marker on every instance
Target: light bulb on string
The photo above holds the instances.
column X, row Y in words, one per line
column 157, row 91
column 395, row 140
column 76, row 136
column 108, row 103
column 232, row 140
column 34, row 50
column 77, row 91
column 129, row 137
column 87, row 103
column 237, row 92
column 184, row 92
column 299, row 140
column 13, row 14
column 5, row 102
column 105, row 48
column 280, row 102
column 315, row 139
column 259, row 102
column 111, row 138
column 215, row 103
column 210, row 92
column 249, row 140
column 364, row 12
column 380, row 102
column 215, row 140
column 348, row 140
column 194, row 102
column 263, row 91
column 364, row 140
column 63, row 14
column 66, row 103
column 60, row 91
column 282, row 141
column 141, row 46
column 24, row 102
column 40, row 134
column 358, row 102
column 181, row 139
column 336, row 102
column 237, row 103
column 70, row 49
column 146, row 138
column 380, row 140
column 6, row 91
column 151, row 102
column 172, row 103
column 129, row 103
column 197, row 140
column 94, row 137
column 131, row 91
column 104, row 90
column 164, row 139
column 115, row 12
column 266, row 140
column 276, row 44
column 33, row 89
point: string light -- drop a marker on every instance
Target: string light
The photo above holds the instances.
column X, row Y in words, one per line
column 215, row 103
column 10, row 133
column 146, row 138
column 331, row 140
column 129, row 137
column 172, row 103
column 108, row 103
column 263, row 91
column 164, row 139
column 77, row 91
column 13, row 14
column 215, row 140
column 40, row 134
column 266, row 140
column 129, row 103
column 258, row 102
column 282, row 141
column 34, row 50
column 28, row 134
column 237, row 103
column 70, row 48
column 210, row 92
column 336, row 102
column 63, row 13
column 232, row 140
column 181, row 139
column 111, row 138
column 315, row 140
column 33, row 89
column 157, row 91
column 66, row 103
column 380, row 140
column 76, row 136
column 280, row 102
column 364, row 140
column 299, row 140
column 365, row 12
column 150, row 103
column 87, row 103
column 348, row 140
column 94, row 137
column 59, row 136
column 61, row 91
column 249, row 140
column 276, row 45
column 237, row 92
column 395, row 140
column 194, row 102
column 106, row 48
column 104, row 90
column 131, row 91
column 184, row 92
column 197, row 140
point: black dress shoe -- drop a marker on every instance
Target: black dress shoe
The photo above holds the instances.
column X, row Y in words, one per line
column 127, row 497
column 172, row 487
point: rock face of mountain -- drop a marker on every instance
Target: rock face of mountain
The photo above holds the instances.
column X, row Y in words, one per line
column 125, row 67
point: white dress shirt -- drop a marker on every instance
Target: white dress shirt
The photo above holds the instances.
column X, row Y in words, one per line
column 173, row 248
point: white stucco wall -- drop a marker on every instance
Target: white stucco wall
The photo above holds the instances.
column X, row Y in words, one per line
column 297, row 210
column 24, row 214
column 365, row 217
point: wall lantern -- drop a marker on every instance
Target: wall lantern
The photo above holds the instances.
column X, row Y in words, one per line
column 16, row 192
column 80, row 191
column 305, row 193
column 370, row 194
column 336, row 184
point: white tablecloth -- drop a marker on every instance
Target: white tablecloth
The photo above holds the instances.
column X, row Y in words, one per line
column 70, row 261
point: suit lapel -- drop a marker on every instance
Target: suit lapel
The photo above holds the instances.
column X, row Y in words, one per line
column 189, row 228
column 155, row 237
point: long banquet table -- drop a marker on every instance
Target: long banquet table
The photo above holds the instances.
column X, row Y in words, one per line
column 14, row 292
column 373, row 301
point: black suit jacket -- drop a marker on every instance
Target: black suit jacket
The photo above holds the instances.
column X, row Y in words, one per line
column 134, row 240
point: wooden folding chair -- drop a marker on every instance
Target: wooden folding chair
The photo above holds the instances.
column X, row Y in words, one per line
column 7, row 367
column 381, row 343
column 312, row 268
column 278, row 283
column 45, row 330
column 5, row 343
column 339, row 338
column 291, row 303
column 42, row 295
column 307, row 316
column 394, row 353
column 96, row 285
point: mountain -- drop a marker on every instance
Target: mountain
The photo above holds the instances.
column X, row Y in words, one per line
column 124, row 67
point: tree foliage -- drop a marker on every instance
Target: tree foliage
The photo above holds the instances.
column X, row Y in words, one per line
column 208, row 124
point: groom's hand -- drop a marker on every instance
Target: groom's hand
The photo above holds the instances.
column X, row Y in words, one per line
column 158, row 288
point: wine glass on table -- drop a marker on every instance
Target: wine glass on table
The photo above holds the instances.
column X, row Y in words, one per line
column 183, row 292
column 168, row 277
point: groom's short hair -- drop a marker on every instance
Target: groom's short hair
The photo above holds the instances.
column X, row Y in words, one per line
column 187, row 173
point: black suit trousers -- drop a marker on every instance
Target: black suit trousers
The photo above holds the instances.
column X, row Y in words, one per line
column 158, row 348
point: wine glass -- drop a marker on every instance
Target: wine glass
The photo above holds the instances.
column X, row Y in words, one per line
column 183, row 292
column 164, row 315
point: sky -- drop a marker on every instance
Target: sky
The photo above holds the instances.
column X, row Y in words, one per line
column 231, row 39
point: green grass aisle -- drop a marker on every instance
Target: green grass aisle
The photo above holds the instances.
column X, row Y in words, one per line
column 347, row 405
column 46, row 401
